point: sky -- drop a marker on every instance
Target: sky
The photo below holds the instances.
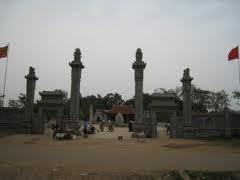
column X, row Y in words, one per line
column 172, row 34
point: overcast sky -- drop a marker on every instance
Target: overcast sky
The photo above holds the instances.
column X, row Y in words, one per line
column 172, row 34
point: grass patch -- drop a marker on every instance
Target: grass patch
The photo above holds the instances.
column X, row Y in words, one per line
column 209, row 175
column 175, row 175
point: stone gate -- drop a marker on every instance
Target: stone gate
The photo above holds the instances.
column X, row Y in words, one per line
column 50, row 101
column 161, row 103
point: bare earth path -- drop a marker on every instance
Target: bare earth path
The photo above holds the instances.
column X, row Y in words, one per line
column 103, row 152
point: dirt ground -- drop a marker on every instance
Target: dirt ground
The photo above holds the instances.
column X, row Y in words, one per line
column 26, row 156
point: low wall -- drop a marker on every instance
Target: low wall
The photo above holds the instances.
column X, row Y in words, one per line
column 11, row 118
column 223, row 124
column 14, row 119
column 180, row 127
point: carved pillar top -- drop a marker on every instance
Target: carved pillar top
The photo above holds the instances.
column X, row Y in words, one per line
column 77, row 59
column 186, row 77
column 139, row 63
column 77, row 55
column 139, row 55
column 31, row 74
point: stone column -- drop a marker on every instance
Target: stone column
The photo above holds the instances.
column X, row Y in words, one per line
column 138, row 67
column 187, row 103
column 30, row 91
column 77, row 67
column 91, row 114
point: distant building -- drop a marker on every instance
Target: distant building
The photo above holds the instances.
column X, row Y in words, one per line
column 99, row 115
column 126, row 111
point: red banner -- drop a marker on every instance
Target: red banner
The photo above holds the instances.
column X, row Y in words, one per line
column 233, row 54
column 3, row 52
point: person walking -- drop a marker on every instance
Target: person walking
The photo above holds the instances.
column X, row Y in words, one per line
column 130, row 124
column 102, row 124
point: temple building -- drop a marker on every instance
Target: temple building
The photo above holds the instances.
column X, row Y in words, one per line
column 126, row 111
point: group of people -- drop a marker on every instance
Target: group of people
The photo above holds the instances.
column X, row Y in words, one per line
column 62, row 132
column 88, row 128
column 55, row 128
column 110, row 126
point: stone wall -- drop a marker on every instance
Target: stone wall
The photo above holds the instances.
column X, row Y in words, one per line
column 235, row 124
column 37, row 125
column 150, row 125
column 223, row 124
column 11, row 118
column 179, row 127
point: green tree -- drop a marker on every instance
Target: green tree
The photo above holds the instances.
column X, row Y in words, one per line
column 129, row 102
column 85, row 103
column 19, row 102
column 112, row 98
column 236, row 96
column 200, row 99
column 218, row 101
column 177, row 91
column 99, row 102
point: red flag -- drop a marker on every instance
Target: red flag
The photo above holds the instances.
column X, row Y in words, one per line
column 233, row 54
column 3, row 51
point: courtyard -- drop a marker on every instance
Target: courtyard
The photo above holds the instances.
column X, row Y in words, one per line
column 40, row 156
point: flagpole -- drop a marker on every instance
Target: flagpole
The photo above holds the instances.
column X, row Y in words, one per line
column 238, row 69
column 5, row 78
column 238, row 72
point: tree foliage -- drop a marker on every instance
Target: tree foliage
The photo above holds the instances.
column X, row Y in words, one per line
column 209, row 101
column 111, row 99
column 19, row 102
column 236, row 96
column 218, row 101
column 99, row 102
column 200, row 99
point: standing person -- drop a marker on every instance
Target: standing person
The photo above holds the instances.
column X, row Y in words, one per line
column 130, row 123
column 85, row 127
column 109, row 125
column 112, row 129
column 55, row 128
column 100, row 126
column 168, row 129
column 103, row 125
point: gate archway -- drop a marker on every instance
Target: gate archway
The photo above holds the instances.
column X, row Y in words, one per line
column 51, row 104
column 161, row 104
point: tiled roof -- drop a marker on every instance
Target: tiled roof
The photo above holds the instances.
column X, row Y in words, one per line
column 123, row 109
column 51, row 93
